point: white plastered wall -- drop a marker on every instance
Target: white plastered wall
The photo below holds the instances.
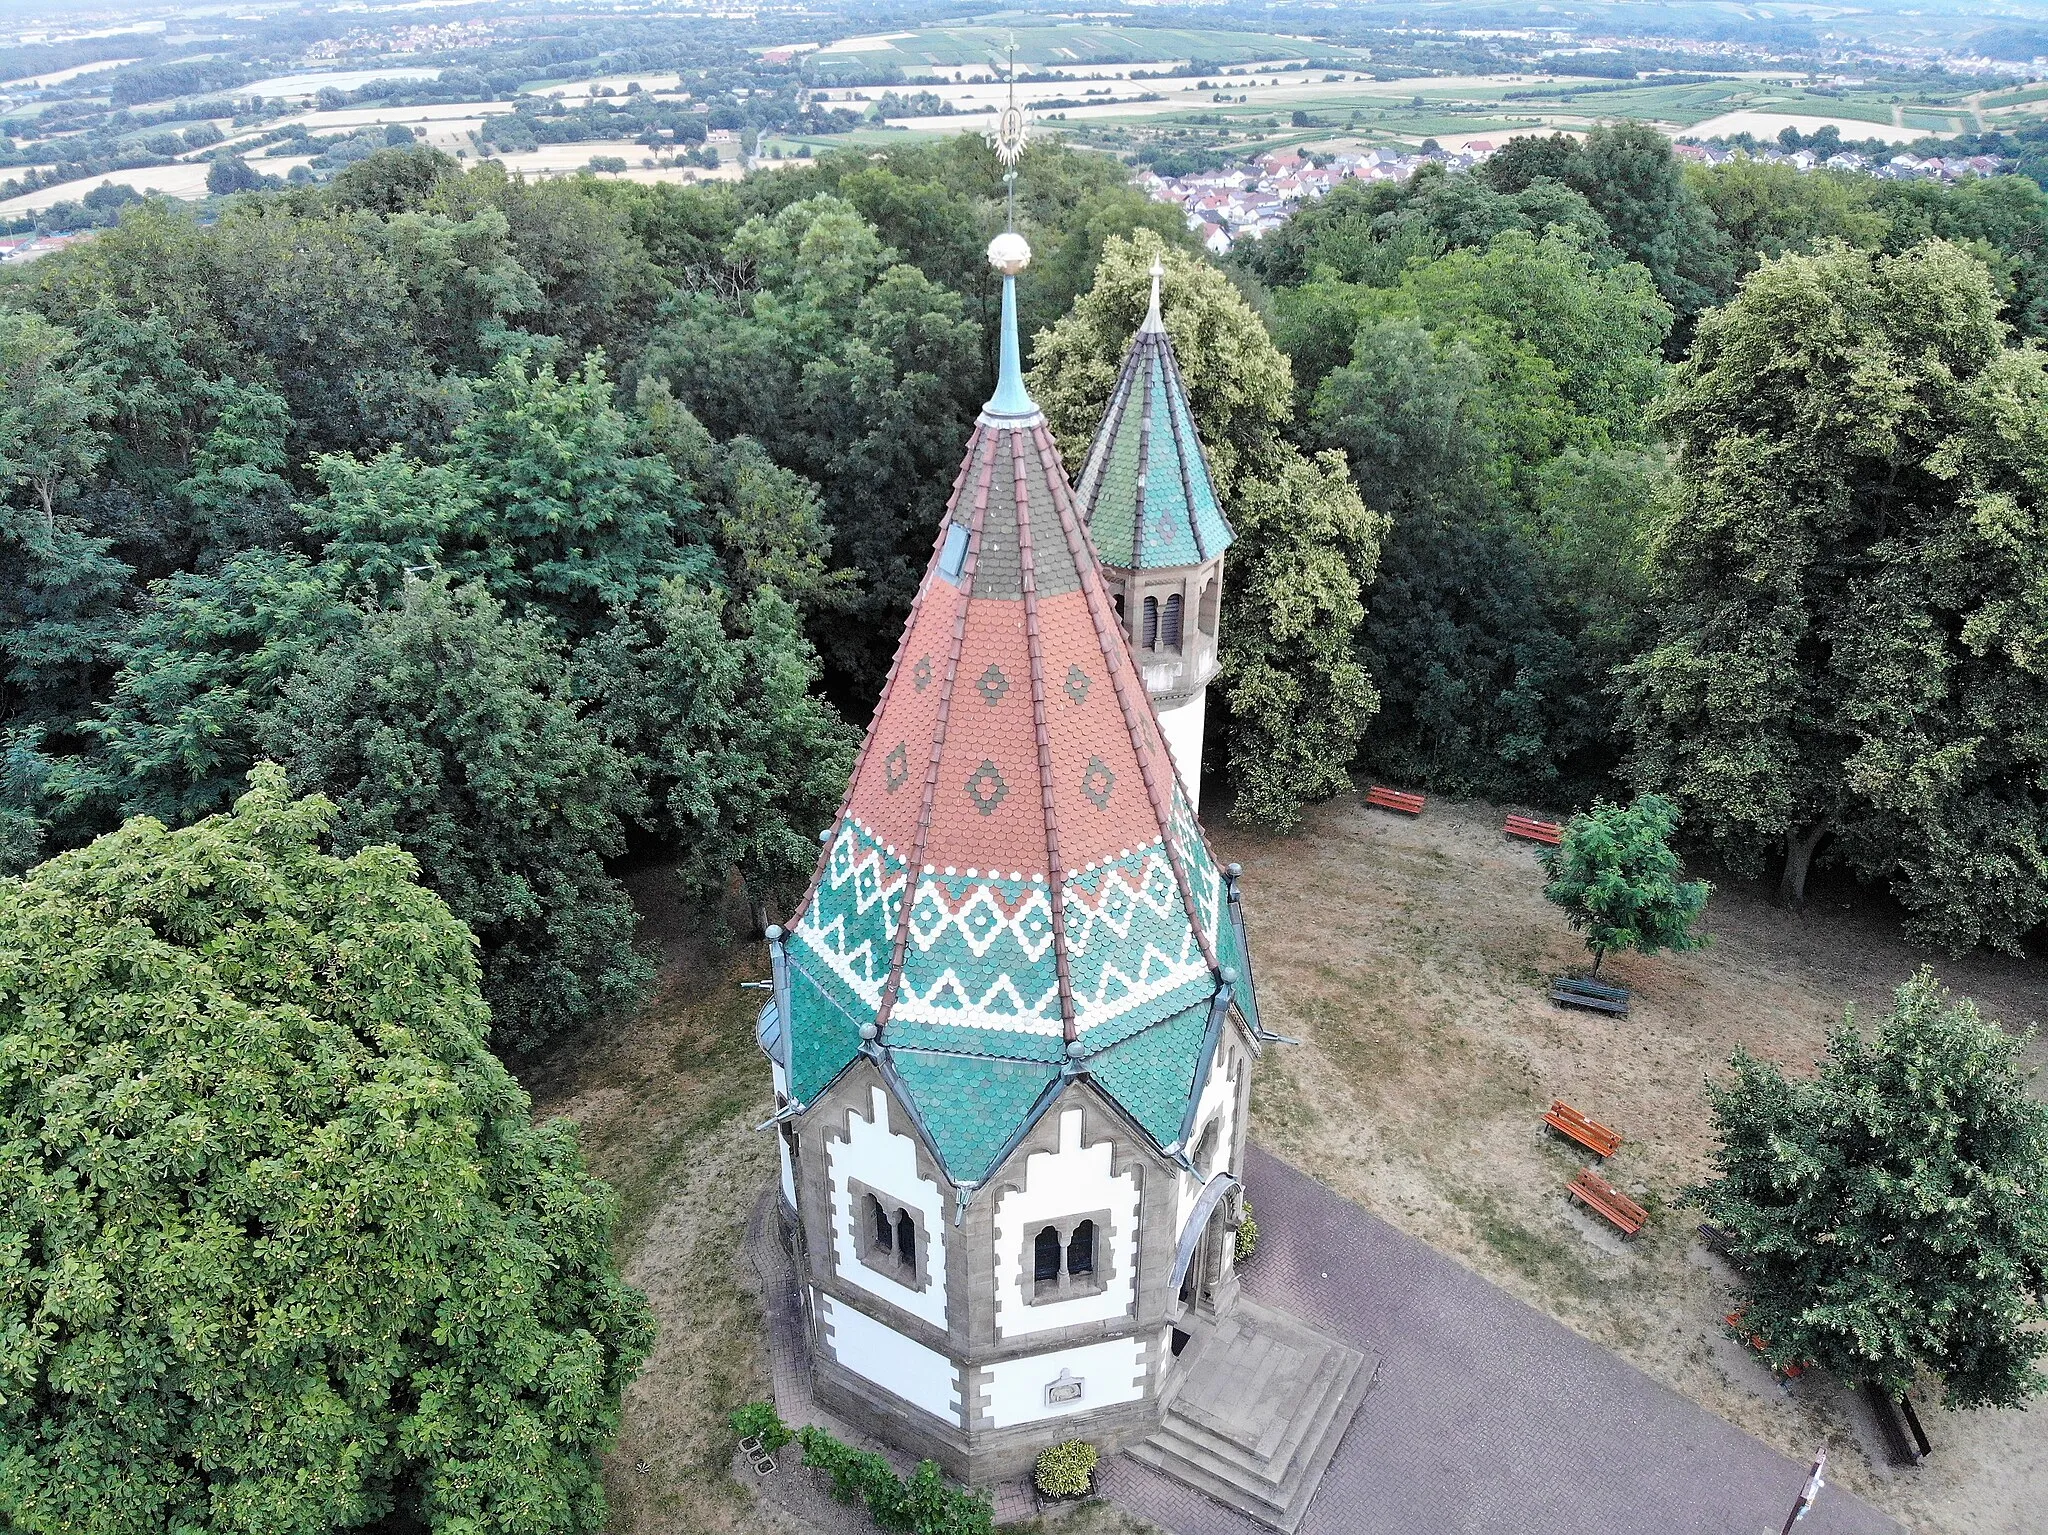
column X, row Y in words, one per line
column 1218, row 1104
column 1110, row 1372
column 1182, row 727
column 1073, row 1180
column 885, row 1160
column 901, row 1366
column 782, row 1138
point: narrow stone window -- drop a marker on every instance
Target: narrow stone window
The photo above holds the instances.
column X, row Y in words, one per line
column 1205, row 1150
column 1149, row 639
column 1063, row 1260
column 906, row 1240
column 1210, row 601
column 889, row 1236
column 1045, row 1258
column 1173, row 610
column 1081, row 1250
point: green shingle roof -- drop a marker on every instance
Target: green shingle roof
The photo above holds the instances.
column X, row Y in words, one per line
column 1145, row 491
column 1016, row 889
column 1153, row 1074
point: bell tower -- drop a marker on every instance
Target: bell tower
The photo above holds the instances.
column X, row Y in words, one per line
column 1150, row 506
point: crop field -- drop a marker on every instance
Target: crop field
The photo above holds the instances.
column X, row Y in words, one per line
column 1076, row 43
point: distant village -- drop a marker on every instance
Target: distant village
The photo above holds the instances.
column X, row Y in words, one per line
column 1248, row 200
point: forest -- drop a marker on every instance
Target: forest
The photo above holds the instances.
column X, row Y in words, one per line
column 551, row 528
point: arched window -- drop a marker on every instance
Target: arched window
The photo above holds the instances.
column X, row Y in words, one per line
column 1149, row 639
column 1045, row 1256
column 1081, row 1249
column 906, row 1239
column 1210, row 602
column 1116, row 600
column 1173, row 622
column 878, row 1218
column 1205, row 1150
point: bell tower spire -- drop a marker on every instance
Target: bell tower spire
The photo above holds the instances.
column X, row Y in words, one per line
column 1009, row 253
column 1150, row 504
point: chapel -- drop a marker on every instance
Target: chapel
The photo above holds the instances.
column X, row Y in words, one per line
column 1013, row 1023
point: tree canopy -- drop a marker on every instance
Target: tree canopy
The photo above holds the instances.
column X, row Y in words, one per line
column 1296, row 696
column 1851, row 586
column 289, row 1253
column 1619, row 882
column 1891, row 1216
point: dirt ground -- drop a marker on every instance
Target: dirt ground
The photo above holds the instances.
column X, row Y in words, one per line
column 1408, row 957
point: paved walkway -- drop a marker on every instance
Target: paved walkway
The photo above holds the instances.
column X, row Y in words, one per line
column 1487, row 1418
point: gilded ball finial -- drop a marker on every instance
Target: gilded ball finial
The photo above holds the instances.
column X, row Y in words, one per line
column 1009, row 253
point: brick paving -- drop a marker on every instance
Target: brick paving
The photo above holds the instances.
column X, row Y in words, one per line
column 1487, row 1418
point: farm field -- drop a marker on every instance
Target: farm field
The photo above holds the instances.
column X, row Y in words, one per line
column 1041, row 46
column 186, row 179
column 1407, row 956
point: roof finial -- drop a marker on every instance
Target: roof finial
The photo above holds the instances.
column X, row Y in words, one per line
column 1009, row 253
column 1153, row 320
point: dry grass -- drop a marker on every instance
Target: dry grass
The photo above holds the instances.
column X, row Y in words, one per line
column 1409, row 958
column 667, row 1102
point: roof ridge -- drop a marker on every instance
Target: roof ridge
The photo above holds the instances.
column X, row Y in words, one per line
column 860, row 758
column 1105, row 434
column 1054, row 864
column 1139, row 504
column 1180, row 385
column 914, row 870
column 1097, row 604
column 1170, row 375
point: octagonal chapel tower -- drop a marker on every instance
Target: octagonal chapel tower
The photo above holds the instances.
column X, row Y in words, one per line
column 1148, row 502
column 1013, row 1025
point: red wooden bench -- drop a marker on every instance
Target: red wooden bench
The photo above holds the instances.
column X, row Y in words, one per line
column 1534, row 831
column 1597, row 1194
column 1589, row 1133
column 1756, row 1341
column 1394, row 799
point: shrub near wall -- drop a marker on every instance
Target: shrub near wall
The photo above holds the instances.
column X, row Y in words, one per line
column 924, row 1505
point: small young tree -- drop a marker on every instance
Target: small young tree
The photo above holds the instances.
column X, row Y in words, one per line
column 1892, row 1217
column 1619, row 882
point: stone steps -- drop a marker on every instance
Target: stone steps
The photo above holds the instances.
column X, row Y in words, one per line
column 1267, row 1460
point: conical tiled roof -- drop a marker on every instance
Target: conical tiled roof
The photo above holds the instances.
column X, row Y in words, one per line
column 1015, row 891
column 1145, row 491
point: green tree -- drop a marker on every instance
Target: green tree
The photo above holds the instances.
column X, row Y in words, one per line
column 288, row 1253
column 1296, row 697
column 53, row 406
column 1299, row 698
column 1634, row 182
column 1852, row 579
column 1618, row 880
column 741, row 764
column 851, row 369
column 1492, row 404
column 547, row 496
column 571, row 519
column 1768, row 210
column 206, row 660
column 454, row 731
column 1891, row 1217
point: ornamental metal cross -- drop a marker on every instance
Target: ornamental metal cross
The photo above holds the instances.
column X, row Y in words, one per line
column 1006, row 138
